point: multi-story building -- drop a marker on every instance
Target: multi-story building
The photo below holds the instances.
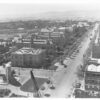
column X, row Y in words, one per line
column 41, row 43
column 5, row 73
column 96, row 51
column 28, row 57
column 50, row 33
column 92, row 72
column 36, row 43
column 92, row 78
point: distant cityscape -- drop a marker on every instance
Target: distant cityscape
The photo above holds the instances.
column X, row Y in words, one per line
column 35, row 56
column 50, row 49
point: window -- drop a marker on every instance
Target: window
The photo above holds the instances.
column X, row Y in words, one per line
column 15, row 57
column 12, row 57
column 98, row 87
column 93, row 86
column 88, row 86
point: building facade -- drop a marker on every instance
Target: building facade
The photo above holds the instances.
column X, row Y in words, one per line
column 28, row 57
column 92, row 78
column 36, row 43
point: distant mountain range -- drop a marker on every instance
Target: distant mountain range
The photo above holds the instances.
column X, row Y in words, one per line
column 73, row 15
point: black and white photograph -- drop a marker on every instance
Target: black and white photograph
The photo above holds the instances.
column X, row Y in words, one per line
column 50, row 49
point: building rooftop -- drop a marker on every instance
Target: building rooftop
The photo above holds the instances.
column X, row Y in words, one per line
column 57, row 33
column 93, row 68
column 95, row 59
column 45, row 30
column 62, row 28
column 26, row 50
column 39, row 41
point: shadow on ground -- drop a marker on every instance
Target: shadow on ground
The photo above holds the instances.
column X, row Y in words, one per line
column 29, row 85
column 14, row 82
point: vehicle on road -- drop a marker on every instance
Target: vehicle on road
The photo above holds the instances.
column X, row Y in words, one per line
column 59, row 65
column 66, row 61
column 78, row 85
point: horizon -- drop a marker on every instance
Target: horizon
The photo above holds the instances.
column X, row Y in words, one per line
column 14, row 10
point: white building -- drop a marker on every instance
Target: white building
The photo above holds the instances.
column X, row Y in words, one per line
column 28, row 57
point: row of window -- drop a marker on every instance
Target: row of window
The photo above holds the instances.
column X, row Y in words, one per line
column 92, row 81
column 92, row 87
column 21, row 57
column 92, row 75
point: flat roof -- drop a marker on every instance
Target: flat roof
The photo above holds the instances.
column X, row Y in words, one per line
column 26, row 50
column 95, row 59
column 93, row 68
column 45, row 30
column 39, row 40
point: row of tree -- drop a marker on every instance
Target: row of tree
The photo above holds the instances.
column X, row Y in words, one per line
column 31, row 24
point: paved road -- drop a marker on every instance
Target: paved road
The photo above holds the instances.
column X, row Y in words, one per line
column 65, row 78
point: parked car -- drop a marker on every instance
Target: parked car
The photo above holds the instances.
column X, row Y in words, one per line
column 66, row 61
column 78, row 85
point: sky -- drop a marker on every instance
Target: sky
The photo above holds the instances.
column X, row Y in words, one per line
column 21, row 8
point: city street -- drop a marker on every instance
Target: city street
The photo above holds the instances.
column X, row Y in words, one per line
column 50, row 49
column 65, row 78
